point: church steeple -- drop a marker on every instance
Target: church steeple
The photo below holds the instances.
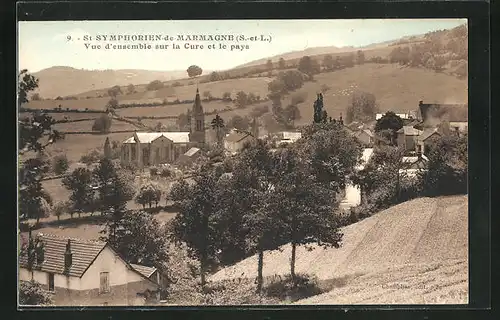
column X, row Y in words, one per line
column 197, row 120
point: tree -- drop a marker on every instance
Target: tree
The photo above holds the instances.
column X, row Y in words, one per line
column 308, row 66
column 31, row 293
column 194, row 71
column 360, row 57
column 215, row 76
column 183, row 121
column 196, row 222
column 269, row 65
column 447, row 169
column 362, row 107
column 400, row 55
column 80, row 183
column 389, row 121
column 102, row 124
column 207, row 95
column 241, row 99
column 281, row 63
column 239, row 122
column 113, row 186
column 218, row 125
column 60, row 164
column 319, row 115
column 107, row 149
column 304, row 206
column 292, row 80
column 254, row 176
column 26, row 84
column 290, row 114
column 141, row 240
column 36, row 97
column 130, row 89
column 331, row 152
column 226, row 96
column 328, row 63
column 114, row 91
column 149, row 193
column 154, row 85
column 112, row 104
column 61, row 208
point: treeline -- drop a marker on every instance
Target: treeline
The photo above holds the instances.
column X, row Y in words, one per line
column 60, row 110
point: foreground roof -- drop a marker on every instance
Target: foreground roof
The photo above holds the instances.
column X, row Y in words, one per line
column 84, row 254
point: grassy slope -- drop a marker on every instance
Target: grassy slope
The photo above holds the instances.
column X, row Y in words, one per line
column 394, row 251
column 395, row 88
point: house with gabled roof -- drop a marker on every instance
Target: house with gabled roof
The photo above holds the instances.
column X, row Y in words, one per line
column 428, row 137
column 81, row 272
column 235, row 140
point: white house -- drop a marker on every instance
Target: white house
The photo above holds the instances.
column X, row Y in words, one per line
column 289, row 136
column 87, row 273
column 235, row 140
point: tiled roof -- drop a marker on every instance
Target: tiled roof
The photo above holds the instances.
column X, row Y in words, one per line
column 427, row 133
column 84, row 254
column 148, row 137
column 237, row 136
column 129, row 140
column 145, row 271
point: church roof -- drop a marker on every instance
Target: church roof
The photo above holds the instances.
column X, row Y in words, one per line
column 197, row 108
column 148, row 137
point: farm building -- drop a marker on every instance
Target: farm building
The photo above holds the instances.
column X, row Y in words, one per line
column 86, row 273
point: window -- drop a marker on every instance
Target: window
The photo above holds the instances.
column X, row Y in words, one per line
column 133, row 152
column 51, row 282
column 104, row 287
column 198, row 125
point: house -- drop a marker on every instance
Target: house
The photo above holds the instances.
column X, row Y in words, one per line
column 428, row 137
column 405, row 116
column 365, row 136
column 235, row 140
column 153, row 148
column 412, row 165
column 288, row 137
column 434, row 113
column 407, row 137
column 86, row 273
column 190, row 156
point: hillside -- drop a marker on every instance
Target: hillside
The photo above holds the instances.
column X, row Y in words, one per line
column 415, row 252
column 64, row 81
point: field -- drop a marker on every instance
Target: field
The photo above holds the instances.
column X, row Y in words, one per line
column 76, row 145
column 86, row 126
column 415, row 252
column 258, row 86
column 395, row 88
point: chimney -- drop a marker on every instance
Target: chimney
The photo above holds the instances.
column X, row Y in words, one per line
column 40, row 251
column 68, row 257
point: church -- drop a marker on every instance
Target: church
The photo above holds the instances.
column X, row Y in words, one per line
column 153, row 148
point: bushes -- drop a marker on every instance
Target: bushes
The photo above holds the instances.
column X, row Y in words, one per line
column 32, row 293
column 91, row 157
column 60, row 164
column 102, row 124
column 305, row 286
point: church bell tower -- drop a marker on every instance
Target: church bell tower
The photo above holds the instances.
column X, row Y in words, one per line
column 197, row 132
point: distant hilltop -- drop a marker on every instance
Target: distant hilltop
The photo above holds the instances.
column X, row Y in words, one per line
column 64, row 81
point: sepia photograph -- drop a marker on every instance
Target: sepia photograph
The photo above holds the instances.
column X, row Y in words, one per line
column 242, row 162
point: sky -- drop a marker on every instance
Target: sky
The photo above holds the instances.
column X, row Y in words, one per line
column 43, row 44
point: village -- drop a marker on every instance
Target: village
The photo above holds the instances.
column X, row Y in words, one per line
column 285, row 182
